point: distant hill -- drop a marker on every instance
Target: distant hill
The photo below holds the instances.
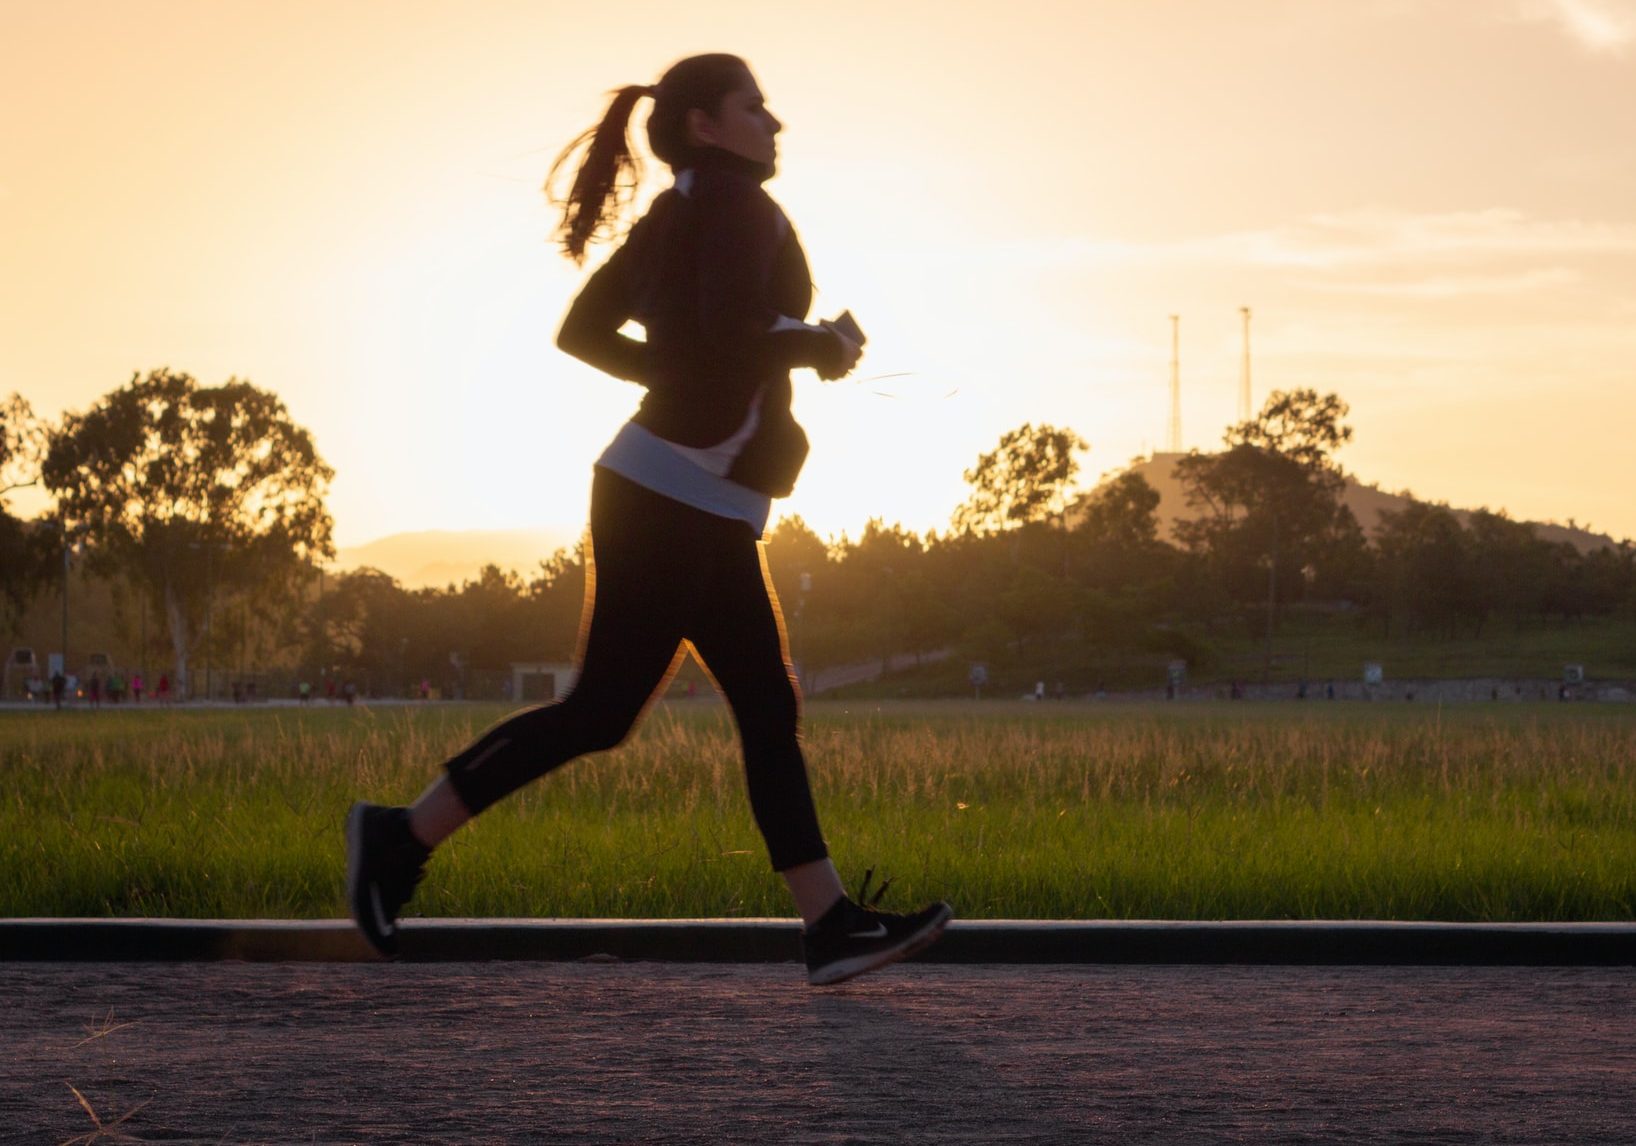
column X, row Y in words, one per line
column 1366, row 502
column 438, row 558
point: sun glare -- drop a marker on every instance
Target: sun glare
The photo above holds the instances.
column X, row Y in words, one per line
column 1011, row 203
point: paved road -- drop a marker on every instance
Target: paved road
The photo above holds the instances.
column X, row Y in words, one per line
column 566, row 1052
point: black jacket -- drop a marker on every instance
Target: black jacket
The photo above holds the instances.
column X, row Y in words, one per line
column 708, row 274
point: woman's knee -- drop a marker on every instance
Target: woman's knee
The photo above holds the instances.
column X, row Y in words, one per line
column 781, row 706
column 597, row 726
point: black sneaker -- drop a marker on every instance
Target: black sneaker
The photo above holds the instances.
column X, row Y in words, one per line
column 384, row 863
column 850, row 940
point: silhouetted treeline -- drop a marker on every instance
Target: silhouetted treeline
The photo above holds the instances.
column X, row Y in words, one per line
column 198, row 500
column 1078, row 597
column 217, row 558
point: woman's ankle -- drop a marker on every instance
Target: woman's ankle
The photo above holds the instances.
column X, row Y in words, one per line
column 437, row 814
column 815, row 887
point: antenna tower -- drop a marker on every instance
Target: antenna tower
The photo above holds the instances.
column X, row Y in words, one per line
column 1244, row 407
column 1175, row 385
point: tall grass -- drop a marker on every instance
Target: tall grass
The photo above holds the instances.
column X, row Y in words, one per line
column 1023, row 811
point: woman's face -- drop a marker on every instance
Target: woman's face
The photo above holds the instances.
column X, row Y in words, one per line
column 743, row 125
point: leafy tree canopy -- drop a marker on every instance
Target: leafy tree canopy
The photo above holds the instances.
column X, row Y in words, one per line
column 1300, row 425
column 1122, row 511
column 166, row 459
column 24, row 552
column 191, row 490
column 22, row 445
column 1026, row 478
column 1272, row 499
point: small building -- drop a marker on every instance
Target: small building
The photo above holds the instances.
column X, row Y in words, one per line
column 21, row 668
column 539, row 681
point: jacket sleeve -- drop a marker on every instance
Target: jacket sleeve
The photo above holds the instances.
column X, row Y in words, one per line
column 590, row 330
column 742, row 236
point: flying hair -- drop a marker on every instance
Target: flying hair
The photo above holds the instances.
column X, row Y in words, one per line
column 607, row 170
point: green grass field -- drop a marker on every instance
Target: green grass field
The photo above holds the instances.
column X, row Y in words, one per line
column 1341, row 811
column 1313, row 647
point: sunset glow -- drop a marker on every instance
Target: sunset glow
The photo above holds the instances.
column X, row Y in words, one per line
column 1430, row 207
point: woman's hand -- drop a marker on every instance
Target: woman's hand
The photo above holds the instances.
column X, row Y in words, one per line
column 850, row 353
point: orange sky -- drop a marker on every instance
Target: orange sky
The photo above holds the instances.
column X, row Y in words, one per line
column 1431, row 207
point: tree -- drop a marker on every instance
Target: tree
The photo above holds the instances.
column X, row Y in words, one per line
column 22, row 445
column 1128, row 575
column 1426, row 560
column 1123, row 511
column 361, row 626
column 22, row 550
column 793, row 551
column 1272, row 505
column 1608, row 579
column 1298, row 424
column 193, row 492
column 556, row 603
column 1036, row 604
column 1025, row 478
column 876, row 577
column 797, row 560
column 1513, row 567
column 490, row 612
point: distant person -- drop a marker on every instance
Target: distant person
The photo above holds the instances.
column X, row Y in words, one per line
column 93, row 690
column 679, row 500
column 349, row 693
column 303, row 691
column 59, row 688
column 136, row 688
column 163, row 694
column 329, row 690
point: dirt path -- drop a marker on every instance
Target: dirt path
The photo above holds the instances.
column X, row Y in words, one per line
column 520, row 1052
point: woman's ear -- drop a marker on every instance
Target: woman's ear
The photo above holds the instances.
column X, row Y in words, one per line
column 701, row 129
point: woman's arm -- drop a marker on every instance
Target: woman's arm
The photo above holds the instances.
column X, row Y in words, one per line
column 745, row 242
column 590, row 330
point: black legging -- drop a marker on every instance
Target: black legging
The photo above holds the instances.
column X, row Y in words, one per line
column 662, row 573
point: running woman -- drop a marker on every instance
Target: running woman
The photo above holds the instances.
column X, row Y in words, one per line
column 679, row 499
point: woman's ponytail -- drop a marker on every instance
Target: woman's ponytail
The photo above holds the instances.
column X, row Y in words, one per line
column 607, row 171
column 606, row 178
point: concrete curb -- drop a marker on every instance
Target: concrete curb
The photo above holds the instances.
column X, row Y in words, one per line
column 1299, row 942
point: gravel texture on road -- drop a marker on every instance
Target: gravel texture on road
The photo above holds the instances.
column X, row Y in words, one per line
column 681, row 1053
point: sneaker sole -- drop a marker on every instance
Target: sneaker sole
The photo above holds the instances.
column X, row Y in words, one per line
column 844, row 969
column 355, row 863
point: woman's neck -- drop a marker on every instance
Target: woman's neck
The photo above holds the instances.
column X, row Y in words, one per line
column 715, row 159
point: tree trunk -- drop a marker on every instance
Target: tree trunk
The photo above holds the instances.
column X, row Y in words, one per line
column 176, row 618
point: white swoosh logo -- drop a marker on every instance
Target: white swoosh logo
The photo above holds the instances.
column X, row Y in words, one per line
column 879, row 932
column 381, row 921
